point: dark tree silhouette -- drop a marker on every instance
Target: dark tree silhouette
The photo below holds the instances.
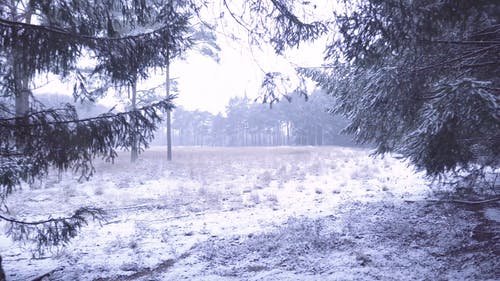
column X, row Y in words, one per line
column 420, row 78
column 36, row 137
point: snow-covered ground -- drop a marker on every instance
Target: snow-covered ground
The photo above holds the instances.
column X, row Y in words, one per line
column 287, row 213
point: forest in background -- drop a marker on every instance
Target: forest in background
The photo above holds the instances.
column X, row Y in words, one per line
column 245, row 122
column 248, row 123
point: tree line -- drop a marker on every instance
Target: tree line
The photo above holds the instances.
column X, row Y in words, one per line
column 302, row 121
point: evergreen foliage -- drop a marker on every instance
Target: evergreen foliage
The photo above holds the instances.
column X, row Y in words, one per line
column 281, row 23
column 39, row 37
column 419, row 78
column 52, row 233
column 29, row 146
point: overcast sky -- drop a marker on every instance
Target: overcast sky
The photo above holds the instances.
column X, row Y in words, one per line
column 207, row 85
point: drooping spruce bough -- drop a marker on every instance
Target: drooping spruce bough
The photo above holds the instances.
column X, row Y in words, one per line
column 40, row 37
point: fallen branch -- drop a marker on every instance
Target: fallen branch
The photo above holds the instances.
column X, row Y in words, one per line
column 169, row 218
column 160, row 219
column 456, row 201
column 41, row 277
column 137, row 207
column 161, row 267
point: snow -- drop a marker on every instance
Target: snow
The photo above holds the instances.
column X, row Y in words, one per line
column 287, row 213
column 492, row 214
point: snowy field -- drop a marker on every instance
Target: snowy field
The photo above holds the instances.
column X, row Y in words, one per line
column 290, row 213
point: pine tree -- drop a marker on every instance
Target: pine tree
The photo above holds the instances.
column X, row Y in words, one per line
column 126, row 19
column 420, row 78
column 38, row 37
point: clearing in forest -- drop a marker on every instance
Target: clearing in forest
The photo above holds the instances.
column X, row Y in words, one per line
column 286, row 213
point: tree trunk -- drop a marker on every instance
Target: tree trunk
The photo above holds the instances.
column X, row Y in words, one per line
column 21, row 87
column 288, row 133
column 134, row 150
column 21, row 78
column 22, row 93
column 167, row 85
column 169, row 121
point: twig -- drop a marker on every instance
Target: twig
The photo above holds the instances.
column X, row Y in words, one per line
column 465, row 42
column 236, row 18
column 456, row 59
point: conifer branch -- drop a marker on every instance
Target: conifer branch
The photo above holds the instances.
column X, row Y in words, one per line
column 72, row 34
column 465, row 42
column 95, row 213
column 52, row 232
column 8, row 122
